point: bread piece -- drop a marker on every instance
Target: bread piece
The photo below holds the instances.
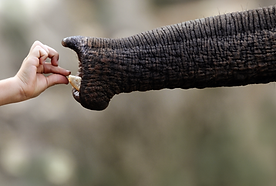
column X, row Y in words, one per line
column 75, row 81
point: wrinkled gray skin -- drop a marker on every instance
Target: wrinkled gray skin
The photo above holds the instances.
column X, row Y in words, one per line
column 227, row 50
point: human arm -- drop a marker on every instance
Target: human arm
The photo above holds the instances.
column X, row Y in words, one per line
column 30, row 80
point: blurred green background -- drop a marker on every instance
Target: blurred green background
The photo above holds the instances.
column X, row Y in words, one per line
column 209, row 137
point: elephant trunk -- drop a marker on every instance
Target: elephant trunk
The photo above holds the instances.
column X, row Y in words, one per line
column 227, row 50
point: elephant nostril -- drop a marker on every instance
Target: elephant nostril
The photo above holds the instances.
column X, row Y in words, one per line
column 76, row 95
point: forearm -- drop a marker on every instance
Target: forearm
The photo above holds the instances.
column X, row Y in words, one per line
column 10, row 91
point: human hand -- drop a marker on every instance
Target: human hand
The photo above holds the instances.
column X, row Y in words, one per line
column 31, row 78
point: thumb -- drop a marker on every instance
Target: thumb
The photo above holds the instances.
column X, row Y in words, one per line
column 56, row 79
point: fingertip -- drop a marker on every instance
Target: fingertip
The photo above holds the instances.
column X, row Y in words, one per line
column 56, row 79
column 54, row 62
column 53, row 54
column 63, row 71
column 65, row 80
column 68, row 72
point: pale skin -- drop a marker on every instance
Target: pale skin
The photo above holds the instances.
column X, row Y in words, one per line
column 30, row 80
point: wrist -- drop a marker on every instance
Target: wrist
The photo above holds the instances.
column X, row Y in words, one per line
column 12, row 92
column 18, row 89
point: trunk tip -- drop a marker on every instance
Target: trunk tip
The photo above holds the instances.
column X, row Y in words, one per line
column 72, row 42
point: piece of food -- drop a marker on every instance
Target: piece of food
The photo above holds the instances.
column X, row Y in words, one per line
column 75, row 81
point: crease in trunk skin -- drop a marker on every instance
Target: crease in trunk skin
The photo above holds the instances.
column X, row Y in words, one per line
column 232, row 49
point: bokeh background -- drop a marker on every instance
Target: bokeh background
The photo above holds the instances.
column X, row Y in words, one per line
column 209, row 137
